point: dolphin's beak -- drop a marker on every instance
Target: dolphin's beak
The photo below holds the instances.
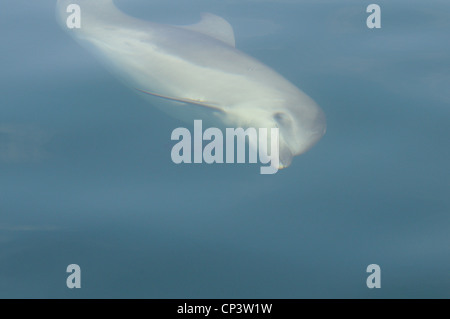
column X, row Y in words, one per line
column 285, row 156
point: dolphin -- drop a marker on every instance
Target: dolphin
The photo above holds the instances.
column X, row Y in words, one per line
column 198, row 72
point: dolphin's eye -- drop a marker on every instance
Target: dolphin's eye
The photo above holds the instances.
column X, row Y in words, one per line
column 282, row 119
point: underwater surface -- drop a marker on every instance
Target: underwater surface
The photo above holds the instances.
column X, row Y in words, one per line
column 86, row 175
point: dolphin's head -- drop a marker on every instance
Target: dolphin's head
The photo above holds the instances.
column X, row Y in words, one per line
column 301, row 124
column 300, row 121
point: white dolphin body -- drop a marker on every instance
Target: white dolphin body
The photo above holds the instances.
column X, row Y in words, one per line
column 199, row 73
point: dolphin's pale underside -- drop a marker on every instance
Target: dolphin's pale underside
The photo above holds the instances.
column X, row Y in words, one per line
column 198, row 72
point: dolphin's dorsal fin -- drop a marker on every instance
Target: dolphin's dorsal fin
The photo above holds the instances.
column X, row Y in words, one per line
column 215, row 27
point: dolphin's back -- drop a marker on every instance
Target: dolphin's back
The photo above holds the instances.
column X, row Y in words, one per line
column 158, row 57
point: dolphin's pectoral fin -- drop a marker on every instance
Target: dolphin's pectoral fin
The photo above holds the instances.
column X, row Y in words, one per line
column 186, row 100
column 216, row 27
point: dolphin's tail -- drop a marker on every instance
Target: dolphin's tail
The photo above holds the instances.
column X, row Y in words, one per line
column 92, row 12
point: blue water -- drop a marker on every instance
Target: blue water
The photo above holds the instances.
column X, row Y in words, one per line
column 86, row 175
